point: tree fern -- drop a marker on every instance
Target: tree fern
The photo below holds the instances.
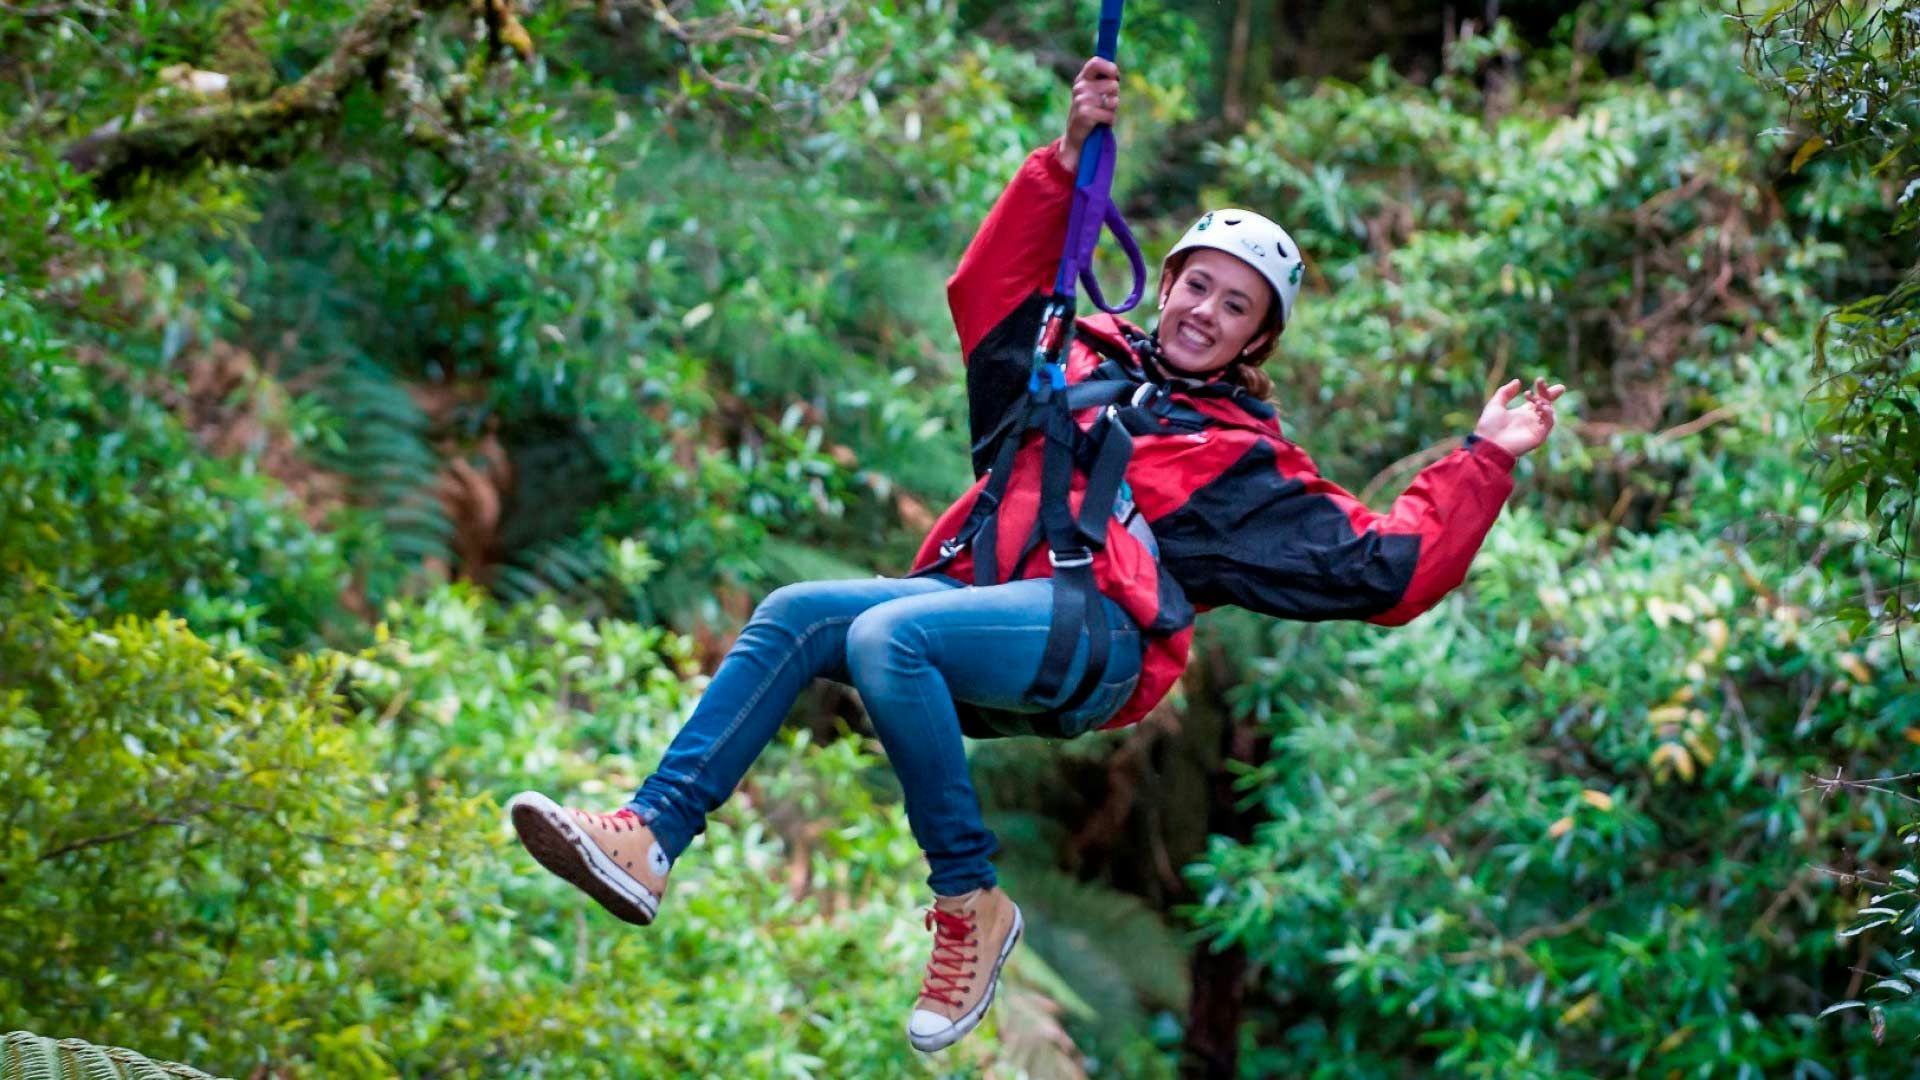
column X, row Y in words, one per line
column 1032, row 1040
column 574, row 569
column 390, row 463
column 25, row 1056
column 1115, row 952
column 786, row 560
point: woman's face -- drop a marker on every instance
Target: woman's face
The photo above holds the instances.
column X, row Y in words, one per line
column 1210, row 312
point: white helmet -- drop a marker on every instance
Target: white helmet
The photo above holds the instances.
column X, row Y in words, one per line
column 1256, row 241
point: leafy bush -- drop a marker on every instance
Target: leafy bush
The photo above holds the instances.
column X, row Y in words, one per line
column 110, row 504
column 199, row 831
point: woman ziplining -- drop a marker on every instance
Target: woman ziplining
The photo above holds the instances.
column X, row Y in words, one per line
column 1125, row 479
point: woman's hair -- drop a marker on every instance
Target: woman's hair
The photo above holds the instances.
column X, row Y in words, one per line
column 1245, row 371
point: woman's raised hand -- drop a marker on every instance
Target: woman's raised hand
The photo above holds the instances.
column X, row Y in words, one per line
column 1096, row 97
column 1519, row 431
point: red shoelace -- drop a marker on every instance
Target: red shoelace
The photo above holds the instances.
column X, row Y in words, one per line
column 948, row 976
column 620, row 820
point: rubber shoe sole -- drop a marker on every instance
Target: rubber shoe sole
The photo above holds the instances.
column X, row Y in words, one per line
column 551, row 837
column 972, row 1017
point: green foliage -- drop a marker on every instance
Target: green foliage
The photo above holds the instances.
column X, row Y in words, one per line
column 173, row 790
column 109, row 503
column 1115, row 954
column 339, row 890
column 1558, row 827
column 1870, row 396
column 1894, row 907
column 664, row 301
column 1603, row 777
column 1849, row 72
column 1458, row 242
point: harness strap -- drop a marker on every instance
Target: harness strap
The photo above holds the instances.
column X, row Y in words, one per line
column 1072, row 539
column 978, row 526
column 1107, row 388
column 1072, row 542
column 1077, row 603
column 1104, row 479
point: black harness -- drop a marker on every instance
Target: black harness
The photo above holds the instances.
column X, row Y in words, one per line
column 1135, row 399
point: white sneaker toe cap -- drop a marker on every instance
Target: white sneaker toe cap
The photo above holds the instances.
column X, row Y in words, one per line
column 925, row 1024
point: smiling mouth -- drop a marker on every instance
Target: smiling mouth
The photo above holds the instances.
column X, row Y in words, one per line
column 1192, row 338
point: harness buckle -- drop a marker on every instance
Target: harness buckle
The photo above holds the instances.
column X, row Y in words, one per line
column 950, row 548
column 1070, row 558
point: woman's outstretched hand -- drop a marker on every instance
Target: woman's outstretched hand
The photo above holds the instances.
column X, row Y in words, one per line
column 1519, row 431
column 1096, row 98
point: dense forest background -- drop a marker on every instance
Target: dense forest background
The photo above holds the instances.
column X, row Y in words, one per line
column 405, row 400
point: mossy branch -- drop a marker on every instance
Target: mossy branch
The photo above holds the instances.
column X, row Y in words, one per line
column 269, row 131
column 238, row 54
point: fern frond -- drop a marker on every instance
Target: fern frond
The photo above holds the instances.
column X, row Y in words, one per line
column 1114, row 951
column 575, row 569
column 1032, row 1039
column 26, row 1056
column 389, row 460
column 785, row 560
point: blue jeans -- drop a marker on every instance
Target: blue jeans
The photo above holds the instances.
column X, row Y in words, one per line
column 910, row 646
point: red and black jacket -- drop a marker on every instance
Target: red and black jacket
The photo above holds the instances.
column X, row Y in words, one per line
column 1239, row 514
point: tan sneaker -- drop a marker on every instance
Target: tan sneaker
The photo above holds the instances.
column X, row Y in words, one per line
column 972, row 936
column 610, row 857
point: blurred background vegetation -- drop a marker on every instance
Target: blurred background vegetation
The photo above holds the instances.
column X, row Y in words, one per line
column 405, row 400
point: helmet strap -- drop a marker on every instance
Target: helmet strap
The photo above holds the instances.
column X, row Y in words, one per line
column 1147, row 348
column 1153, row 361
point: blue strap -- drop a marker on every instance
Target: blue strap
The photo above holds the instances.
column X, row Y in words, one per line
column 1106, row 44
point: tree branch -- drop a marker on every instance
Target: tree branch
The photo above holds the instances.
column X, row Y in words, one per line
column 1517, row 947
column 271, row 130
column 55, row 11
column 124, row 834
column 1418, row 460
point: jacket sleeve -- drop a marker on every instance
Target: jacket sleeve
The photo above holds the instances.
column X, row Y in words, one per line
column 1271, row 534
column 1016, row 251
column 998, row 292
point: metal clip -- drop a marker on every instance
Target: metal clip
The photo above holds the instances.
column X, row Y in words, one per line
column 1066, row 560
column 950, row 548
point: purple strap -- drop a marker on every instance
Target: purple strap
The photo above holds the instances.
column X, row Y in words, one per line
column 1124, row 235
column 1093, row 210
column 1093, row 206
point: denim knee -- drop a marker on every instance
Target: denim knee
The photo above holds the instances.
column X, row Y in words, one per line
column 787, row 605
column 878, row 637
